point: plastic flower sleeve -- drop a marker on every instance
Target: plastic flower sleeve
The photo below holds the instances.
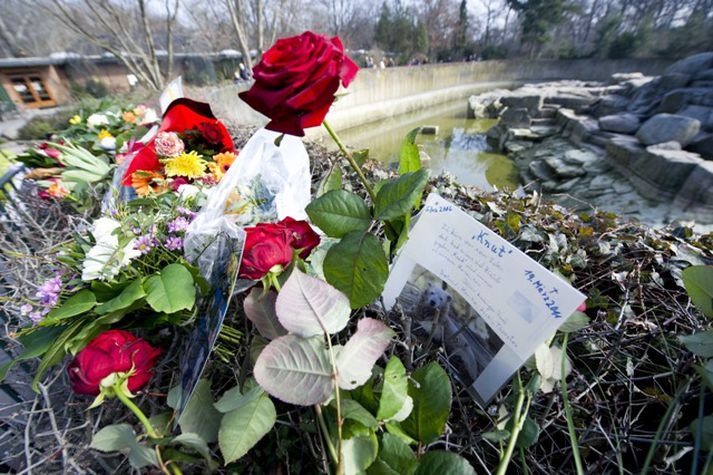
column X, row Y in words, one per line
column 265, row 184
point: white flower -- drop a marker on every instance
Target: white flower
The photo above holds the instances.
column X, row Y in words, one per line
column 106, row 258
column 150, row 117
column 108, row 143
column 187, row 191
column 96, row 120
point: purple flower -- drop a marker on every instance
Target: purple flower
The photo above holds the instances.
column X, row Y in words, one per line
column 136, row 230
column 174, row 243
column 25, row 309
column 36, row 317
column 186, row 212
column 48, row 293
column 177, row 225
column 145, row 243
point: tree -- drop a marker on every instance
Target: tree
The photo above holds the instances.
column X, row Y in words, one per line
column 125, row 30
column 538, row 18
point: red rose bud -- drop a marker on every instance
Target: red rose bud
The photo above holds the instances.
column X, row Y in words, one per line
column 114, row 351
column 266, row 246
column 210, row 132
column 53, row 153
column 296, row 80
column 303, row 236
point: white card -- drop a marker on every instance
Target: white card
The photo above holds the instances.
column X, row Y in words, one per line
column 491, row 303
column 173, row 91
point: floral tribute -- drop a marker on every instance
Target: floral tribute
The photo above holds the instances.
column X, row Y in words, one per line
column 191, row 147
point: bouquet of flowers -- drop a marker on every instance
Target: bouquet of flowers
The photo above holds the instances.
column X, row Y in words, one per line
column 191, row 147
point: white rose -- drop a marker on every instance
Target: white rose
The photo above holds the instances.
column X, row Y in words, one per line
column 105, row 259
column 108, row 143
column 187, row 191
column 96, row 120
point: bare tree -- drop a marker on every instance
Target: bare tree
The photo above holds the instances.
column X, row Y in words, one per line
column 126, row 31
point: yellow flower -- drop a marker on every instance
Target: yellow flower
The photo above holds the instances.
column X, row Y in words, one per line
column 104, row 134
column 221, row 165
column 188, row 164
column 147, row 182
column 75, row 120
column 57, row 190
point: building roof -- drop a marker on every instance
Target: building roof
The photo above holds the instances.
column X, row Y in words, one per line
column 69, row 57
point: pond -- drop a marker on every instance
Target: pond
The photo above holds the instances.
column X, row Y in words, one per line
column 459, row 147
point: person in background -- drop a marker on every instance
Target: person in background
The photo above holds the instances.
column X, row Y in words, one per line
column 244, row 73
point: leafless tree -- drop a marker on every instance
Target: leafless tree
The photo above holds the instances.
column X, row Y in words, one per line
column 127, row 31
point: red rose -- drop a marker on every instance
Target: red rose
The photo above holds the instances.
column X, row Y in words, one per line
column 181, row 115
column 114, row 351
column 266, row 245
column 296, row 80
column 210, row 132
column 303, row 236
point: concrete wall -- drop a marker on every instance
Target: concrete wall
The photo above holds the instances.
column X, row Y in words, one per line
column 377, row 94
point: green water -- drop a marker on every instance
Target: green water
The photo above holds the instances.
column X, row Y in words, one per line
column 459, row 147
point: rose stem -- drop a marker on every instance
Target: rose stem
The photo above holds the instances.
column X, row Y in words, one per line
column 325, row 432
column 150, row 431
column 518, row 418
column 340, row 468
column 135, row 409
column 350, row 159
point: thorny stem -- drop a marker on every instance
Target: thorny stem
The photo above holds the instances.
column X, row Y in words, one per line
column 568, row 410
column 325, row 432
column 150, row 431
column 519, row 416
column 350, row 159
column 337, row 398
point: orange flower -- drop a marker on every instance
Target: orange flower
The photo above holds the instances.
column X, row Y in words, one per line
column 148, row 182
column 221, row 164
column 129, row 117
column 57, row 190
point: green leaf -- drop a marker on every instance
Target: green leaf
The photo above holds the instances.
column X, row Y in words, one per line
column 706, row 373
column 231, row 399
column 496, row 436
column 133, row 292
column 358, row 267
column 409, row 158
column 331, row 181
column 577, row 321
column 308, row 306
column 54, row 353
column 244, row 426
column 339, row 212
column 356, row 412
column 79, row 303
column 359, row 453
column 171, row 290
column 360, row 156
column 395, row 429
column 121, row 437
column 193, row 441
column 706, row 432
column 528, row 434
column 89, row 331
column 105, row 291
column 398, row 197
column 35, row 343
column 359, row 354
column 296, row 370
column 431, row 404
column 700, row 343
column 698, row 281
column 394, row 391
column 443, row 463
column 395, row 457
column 200, row 416
column 162, row 422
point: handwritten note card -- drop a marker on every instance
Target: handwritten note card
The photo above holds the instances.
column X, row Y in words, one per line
column 488, row 303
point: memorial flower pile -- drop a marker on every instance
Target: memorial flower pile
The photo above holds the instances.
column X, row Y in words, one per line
column 191, row 147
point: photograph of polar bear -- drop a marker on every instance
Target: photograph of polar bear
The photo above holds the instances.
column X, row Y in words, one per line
column 442, row 315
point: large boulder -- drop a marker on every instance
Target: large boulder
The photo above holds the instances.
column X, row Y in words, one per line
column 703, row 146
column 706, row 75
column 532, row 103
column 701, row 113
column 674, row 81
column 515, row 117
column 667, row 127
column 697, row 191
column 693, row 64
column 610, row 104
column 623, row 123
